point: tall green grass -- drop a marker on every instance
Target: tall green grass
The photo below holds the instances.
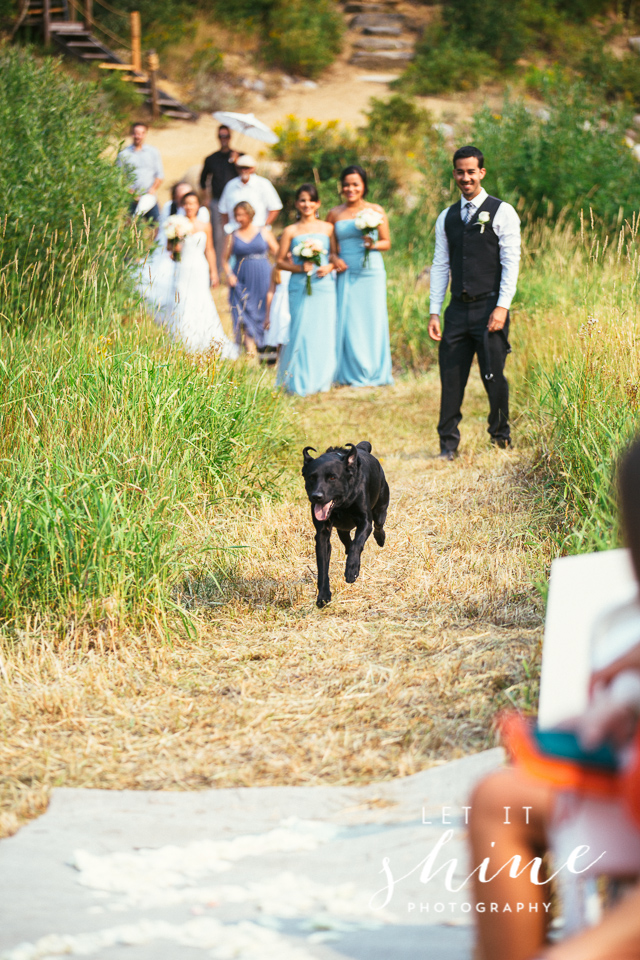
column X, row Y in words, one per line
column 577, row 362
column 117, row 452
column 113, row 454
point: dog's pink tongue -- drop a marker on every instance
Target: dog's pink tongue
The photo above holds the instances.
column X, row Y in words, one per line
column 321, row 513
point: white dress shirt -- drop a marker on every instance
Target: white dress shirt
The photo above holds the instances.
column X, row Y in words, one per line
column 146, row 164
column 258, row 191
column 506, row 226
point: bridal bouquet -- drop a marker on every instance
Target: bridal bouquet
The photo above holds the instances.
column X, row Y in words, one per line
column 367, row 221
column 176, row 229
column 310, row 250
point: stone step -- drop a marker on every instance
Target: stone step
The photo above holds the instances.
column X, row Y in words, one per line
column 380, row 58
column 365, row 8
column 383, row 31
column 367, row 21
column 381, row 43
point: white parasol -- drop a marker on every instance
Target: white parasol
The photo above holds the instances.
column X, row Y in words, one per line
column 248, row 124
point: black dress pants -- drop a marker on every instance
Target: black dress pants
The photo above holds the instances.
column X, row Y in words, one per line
column 465, row 334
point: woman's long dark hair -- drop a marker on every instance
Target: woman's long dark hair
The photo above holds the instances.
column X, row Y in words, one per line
column 312, row 190
column 360, row 171
column 173, row 209
column 309, row 188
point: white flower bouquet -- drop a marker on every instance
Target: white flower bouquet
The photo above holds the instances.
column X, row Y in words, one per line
column 176, row 229
column 368, row 221
column 311, row 251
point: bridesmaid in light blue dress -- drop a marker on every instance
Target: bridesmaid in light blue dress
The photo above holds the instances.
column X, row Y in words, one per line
column 364, row 356
column 307, row 363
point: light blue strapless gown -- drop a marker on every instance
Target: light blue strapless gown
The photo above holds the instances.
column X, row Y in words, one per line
column 308, row 361
column 364, row 356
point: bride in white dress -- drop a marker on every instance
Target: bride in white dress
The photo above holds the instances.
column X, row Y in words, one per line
column 184, row 303
column 156, row 276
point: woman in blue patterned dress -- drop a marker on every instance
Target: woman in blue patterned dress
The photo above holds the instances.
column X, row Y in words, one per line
column 307, row 363
column 364, row 356
column 249, row 282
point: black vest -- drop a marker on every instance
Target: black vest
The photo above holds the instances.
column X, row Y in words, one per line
column 474, row 252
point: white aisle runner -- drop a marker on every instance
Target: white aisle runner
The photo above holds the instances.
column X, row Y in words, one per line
column 281, row 873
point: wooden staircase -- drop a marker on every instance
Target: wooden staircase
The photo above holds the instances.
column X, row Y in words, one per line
column 55, row 18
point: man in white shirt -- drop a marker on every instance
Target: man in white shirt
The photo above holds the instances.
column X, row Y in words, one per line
column 146, row 165
column 478, row 242
column 258, row 191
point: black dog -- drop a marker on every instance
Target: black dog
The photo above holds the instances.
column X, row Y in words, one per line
column 347, row 488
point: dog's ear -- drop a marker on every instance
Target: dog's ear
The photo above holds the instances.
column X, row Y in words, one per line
column 352, row 455
column 307, row 456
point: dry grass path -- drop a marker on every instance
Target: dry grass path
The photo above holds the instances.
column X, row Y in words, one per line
column 405, row 668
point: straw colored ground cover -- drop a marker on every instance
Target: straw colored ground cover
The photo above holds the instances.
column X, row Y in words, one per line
column 405, row 668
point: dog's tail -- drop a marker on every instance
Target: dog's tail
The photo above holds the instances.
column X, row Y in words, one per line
column 364, row 445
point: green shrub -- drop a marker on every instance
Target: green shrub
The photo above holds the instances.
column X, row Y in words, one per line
column 303, row 38
column 387, row 119
column 615, row 77
column 317, row 153
column 582, row 10
column 299, row 37
column 64, row 247
column 119, row 98
column 491, row 26
column 571, row 154
column 163, row 24
column 444, row 62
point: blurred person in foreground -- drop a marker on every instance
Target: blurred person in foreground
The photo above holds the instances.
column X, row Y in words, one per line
column 510, row 935
column 146, row 164
column 259, row 192
column 217, row 171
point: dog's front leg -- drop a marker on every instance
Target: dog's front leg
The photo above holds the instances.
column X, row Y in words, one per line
column 362, row 534
column 323, row 555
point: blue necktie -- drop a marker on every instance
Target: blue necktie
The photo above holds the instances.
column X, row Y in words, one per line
column 469, row 211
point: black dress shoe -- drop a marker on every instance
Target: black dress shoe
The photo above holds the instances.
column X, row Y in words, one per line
column 502, row 444
column 447, row 455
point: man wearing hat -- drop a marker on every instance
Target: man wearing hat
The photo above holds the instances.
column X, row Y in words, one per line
column 258, row 191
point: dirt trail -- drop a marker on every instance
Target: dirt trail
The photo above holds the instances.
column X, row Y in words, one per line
column 342, row 94
column 405, row 668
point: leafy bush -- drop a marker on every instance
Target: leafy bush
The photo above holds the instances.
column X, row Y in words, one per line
column 491, row 26
column 301, row 37
column 63, row 198
column 572, row 154
column 387, row 119
column 207, row 58
column 582, row 10
column 444, row 62
column 163, row 24
column 614, row 76
column 318, row 153
column 120, row 99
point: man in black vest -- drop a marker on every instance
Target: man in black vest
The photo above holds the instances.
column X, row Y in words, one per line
column 478, row 241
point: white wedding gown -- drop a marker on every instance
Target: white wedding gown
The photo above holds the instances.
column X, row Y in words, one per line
column 179, row 294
